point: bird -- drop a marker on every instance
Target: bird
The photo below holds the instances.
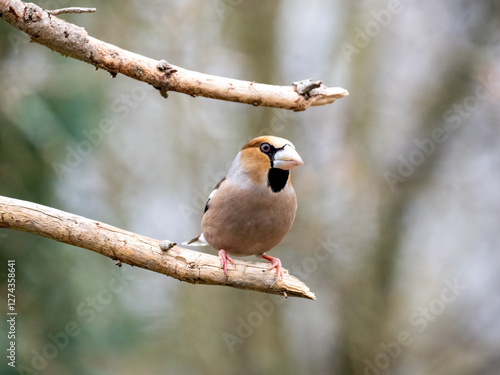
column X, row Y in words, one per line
column 253, row 207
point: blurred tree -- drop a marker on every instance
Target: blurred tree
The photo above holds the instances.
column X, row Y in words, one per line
column 40, row 120
column 393, row 246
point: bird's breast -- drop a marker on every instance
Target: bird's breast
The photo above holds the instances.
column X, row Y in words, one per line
column 248, row 221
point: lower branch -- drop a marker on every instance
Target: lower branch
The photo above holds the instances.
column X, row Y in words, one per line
column 127, row 247
column 45, row 28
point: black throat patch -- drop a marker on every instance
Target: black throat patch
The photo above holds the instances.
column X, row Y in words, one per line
column 277, row 178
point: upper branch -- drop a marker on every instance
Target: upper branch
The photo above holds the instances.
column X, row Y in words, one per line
column 127, row 247
column 73, row 41
column 56, row 12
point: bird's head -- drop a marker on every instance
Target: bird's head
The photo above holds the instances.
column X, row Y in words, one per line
column 269, row 159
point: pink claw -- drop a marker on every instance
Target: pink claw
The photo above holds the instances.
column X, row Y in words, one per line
column 223, row 260
column 275, row 263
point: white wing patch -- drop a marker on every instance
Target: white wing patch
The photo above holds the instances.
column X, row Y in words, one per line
column 212, row 194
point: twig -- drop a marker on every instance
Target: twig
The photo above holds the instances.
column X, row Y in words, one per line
column 55, row 12
column 73, row 41
column 306, row 86
column 127, row 247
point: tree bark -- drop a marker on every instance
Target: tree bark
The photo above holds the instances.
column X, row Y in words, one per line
column 127, row 247
column 73, row 41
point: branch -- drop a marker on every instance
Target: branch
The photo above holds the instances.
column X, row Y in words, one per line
column 73, row 41
column 71, row 10
column 127, row 247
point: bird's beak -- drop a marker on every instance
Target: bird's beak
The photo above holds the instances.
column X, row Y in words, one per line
column 287, row 158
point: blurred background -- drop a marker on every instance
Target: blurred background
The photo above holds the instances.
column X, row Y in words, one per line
column 397, row 230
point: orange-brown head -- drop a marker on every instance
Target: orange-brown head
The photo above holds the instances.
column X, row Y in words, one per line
column 267, row 160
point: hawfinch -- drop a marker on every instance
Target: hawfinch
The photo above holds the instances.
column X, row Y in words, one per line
column 253, row 207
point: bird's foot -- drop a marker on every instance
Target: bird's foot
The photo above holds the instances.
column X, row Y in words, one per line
column 275, row 263
column 223, row 260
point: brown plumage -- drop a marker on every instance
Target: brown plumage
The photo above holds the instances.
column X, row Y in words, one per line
column 253, row 207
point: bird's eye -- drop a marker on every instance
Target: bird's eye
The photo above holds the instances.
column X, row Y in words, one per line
column 265, row 147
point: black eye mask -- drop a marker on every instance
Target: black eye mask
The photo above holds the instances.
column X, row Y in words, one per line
column 270, row 151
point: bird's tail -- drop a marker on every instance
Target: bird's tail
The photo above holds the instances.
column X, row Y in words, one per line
column 197, row 241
